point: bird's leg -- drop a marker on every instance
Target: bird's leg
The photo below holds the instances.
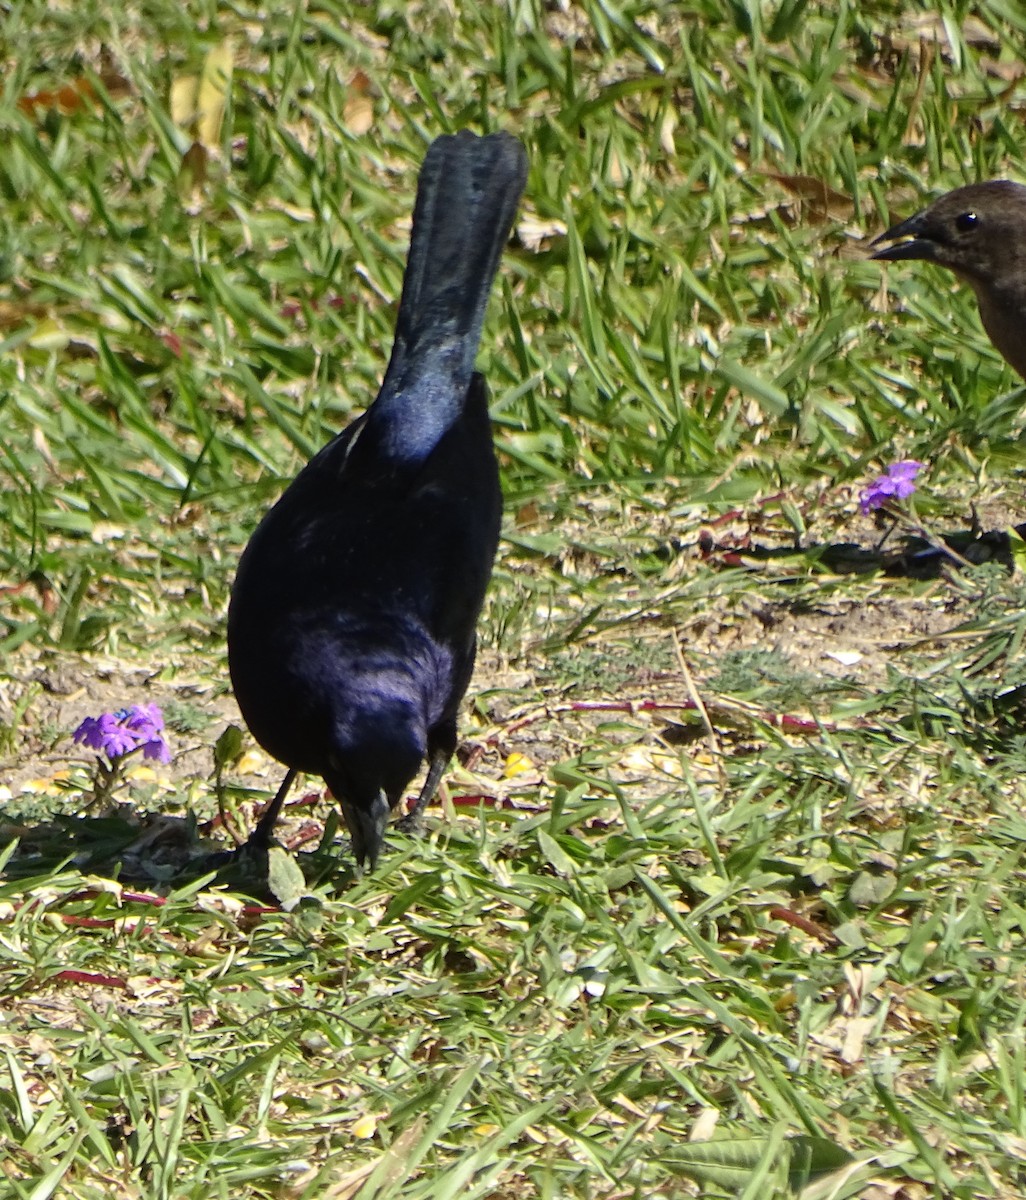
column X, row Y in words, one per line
column 260, row 838
column 436, row 768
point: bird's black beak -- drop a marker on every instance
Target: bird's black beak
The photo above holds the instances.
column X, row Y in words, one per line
column 917, row 245
column 366, row 825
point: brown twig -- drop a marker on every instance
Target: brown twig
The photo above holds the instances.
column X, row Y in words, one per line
column 710, row 733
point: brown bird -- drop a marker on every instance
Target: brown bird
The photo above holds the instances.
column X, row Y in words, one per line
column 979, row 232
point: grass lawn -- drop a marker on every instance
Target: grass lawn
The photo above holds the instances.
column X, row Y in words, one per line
column 726, row 896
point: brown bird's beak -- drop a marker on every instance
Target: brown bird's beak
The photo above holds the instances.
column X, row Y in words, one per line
column 919, row 244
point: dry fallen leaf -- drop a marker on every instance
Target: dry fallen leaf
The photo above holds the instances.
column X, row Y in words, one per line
column 358, row 111
column 533, row 232
column 74, row 96
column 823, row 200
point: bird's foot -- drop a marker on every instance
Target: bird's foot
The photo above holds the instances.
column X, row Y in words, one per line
column 412, row 824
column 253, row 850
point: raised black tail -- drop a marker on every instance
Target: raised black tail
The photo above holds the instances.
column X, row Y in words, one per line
column 466, row 199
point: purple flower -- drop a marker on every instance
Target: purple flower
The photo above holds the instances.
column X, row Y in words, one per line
column 104, row 733
column 157, row 748
column 119, row 733
column 146, row 721
column 896, row 484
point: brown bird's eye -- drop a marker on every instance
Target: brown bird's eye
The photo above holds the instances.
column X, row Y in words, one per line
column 965, row 221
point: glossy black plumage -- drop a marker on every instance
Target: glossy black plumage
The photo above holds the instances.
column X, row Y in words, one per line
column 351, row 626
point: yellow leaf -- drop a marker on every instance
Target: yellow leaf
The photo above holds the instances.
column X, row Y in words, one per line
column 48, row 335
column 184, row 90
column 251, row 761
column 197, row 101
column 210, row 97
column 517, row 764
column 35, row 786
column 365, row 1127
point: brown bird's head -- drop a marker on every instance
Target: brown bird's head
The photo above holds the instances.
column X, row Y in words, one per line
column 979, row 232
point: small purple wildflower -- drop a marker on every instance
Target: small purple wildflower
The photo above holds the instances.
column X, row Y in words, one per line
column 897, row 483
column 119, row 733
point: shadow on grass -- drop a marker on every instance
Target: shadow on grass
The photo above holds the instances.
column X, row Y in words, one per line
column 159, row 853
column 916, row 558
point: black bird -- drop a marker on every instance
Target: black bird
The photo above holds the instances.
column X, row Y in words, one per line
column 351, row 626
column 979, row 232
